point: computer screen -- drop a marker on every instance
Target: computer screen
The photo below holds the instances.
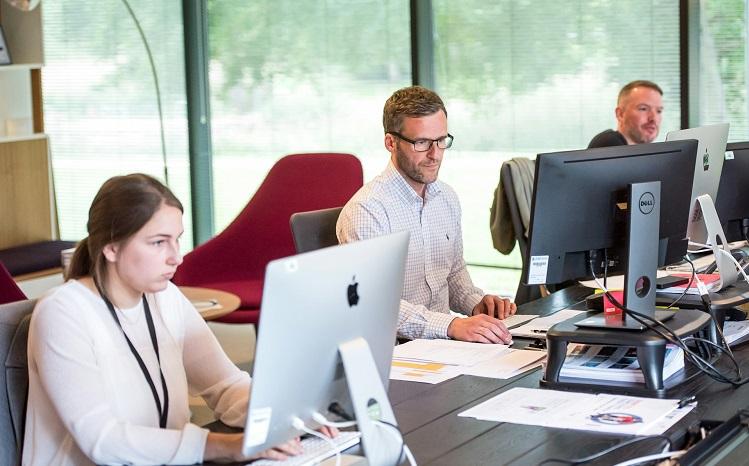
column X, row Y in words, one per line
column 580, row 205
column 312, row 303
column 707, row 169
column 732, row 202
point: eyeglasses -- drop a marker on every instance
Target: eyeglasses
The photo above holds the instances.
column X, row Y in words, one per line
column 423, row 145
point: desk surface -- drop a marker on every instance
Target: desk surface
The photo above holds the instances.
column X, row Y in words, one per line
column 211, row 303
column 428, row 415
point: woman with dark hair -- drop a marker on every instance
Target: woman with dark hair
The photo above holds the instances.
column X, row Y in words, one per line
column 114, row 351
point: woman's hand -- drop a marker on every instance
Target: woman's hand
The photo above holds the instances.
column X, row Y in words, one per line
column 227, row 448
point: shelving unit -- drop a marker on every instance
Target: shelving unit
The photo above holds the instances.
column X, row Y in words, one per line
column 26, row 195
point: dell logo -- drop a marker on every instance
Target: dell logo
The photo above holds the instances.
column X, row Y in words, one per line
column 352, row 294
column 647, row 202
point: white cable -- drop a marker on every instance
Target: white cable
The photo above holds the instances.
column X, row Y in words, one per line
column 299, row 424
column 736, row 263
column 395, row 433
column 657, row 456
column 705, row 248
column 600, row 285
column 322, row 420
column 409, row 455
column 733, row 259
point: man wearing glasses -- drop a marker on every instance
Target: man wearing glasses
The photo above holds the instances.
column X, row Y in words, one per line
column 408, row 196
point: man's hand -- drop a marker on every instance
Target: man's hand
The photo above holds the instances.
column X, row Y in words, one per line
column 494, row 306
column 479, row 329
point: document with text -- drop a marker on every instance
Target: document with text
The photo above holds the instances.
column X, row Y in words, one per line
column 580, row 411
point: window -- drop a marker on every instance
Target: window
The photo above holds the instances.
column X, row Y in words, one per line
column 523, row 77
column 723, row 65
column 289, row 76
column 100, row 107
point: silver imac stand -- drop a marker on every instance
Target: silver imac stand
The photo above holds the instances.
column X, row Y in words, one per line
column 370, row 402
column 705, row 227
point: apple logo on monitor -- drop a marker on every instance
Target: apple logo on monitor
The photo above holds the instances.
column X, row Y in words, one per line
column 352, row 294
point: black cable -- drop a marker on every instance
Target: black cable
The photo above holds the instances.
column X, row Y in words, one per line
column 607, row 451
column 336, row 408
column 689, row 285
column 703, row 365
column 605, row 266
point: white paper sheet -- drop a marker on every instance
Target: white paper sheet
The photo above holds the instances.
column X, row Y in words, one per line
column 423, row 372
column 508, row 365
column 518, row 319
column 579, row 411
column 458, row 353
column 536, row 328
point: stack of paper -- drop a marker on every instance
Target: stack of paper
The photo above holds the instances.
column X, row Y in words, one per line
column 615, row 363
column 580, row 411
column 434, row 361
column 736, row 332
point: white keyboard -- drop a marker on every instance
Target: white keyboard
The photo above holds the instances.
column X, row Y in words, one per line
column 316, row 450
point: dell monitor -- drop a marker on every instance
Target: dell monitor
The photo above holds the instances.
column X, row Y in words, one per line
column 320, row 311
column 580, row 213
column 732, row 202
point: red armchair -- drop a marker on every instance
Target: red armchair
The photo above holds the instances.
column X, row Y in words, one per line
column 235, row 259
column 9, row 291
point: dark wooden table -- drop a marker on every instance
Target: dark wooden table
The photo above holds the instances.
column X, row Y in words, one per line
column 428, row 415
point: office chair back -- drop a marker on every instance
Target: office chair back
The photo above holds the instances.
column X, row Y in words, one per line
column 524, row 293
column 314, row 230
column 9, row 290
column 235, row 259
column 14, row 333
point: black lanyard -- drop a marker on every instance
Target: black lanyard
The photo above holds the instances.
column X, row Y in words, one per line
column 162, row 409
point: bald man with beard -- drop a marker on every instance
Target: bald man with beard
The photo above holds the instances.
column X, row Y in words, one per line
column 639, row 111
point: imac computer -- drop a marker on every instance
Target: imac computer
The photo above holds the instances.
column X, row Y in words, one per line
column 732, row 203
column 705, row 228
column 707, row 168
column 598, row 211
column 326, row 335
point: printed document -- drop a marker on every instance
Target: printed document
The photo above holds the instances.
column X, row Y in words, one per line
column 434, row 361
column 458, row 353
column 579, row 411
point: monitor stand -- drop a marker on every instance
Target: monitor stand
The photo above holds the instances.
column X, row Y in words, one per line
column 643, row 226
column 651, row 351
column 370, row 402
column 641, row 259
column 706, row 227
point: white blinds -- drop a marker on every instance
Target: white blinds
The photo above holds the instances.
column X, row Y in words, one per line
column 523, row 77
column 724, row 64
column 100, row 102
column 290, row 76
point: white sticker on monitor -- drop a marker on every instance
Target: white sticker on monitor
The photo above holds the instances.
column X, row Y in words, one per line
column 729, row 155
column 537, row 270
column 259, row 425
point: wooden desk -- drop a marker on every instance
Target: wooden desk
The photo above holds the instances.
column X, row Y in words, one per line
column 428, row 416
column 211, row 303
